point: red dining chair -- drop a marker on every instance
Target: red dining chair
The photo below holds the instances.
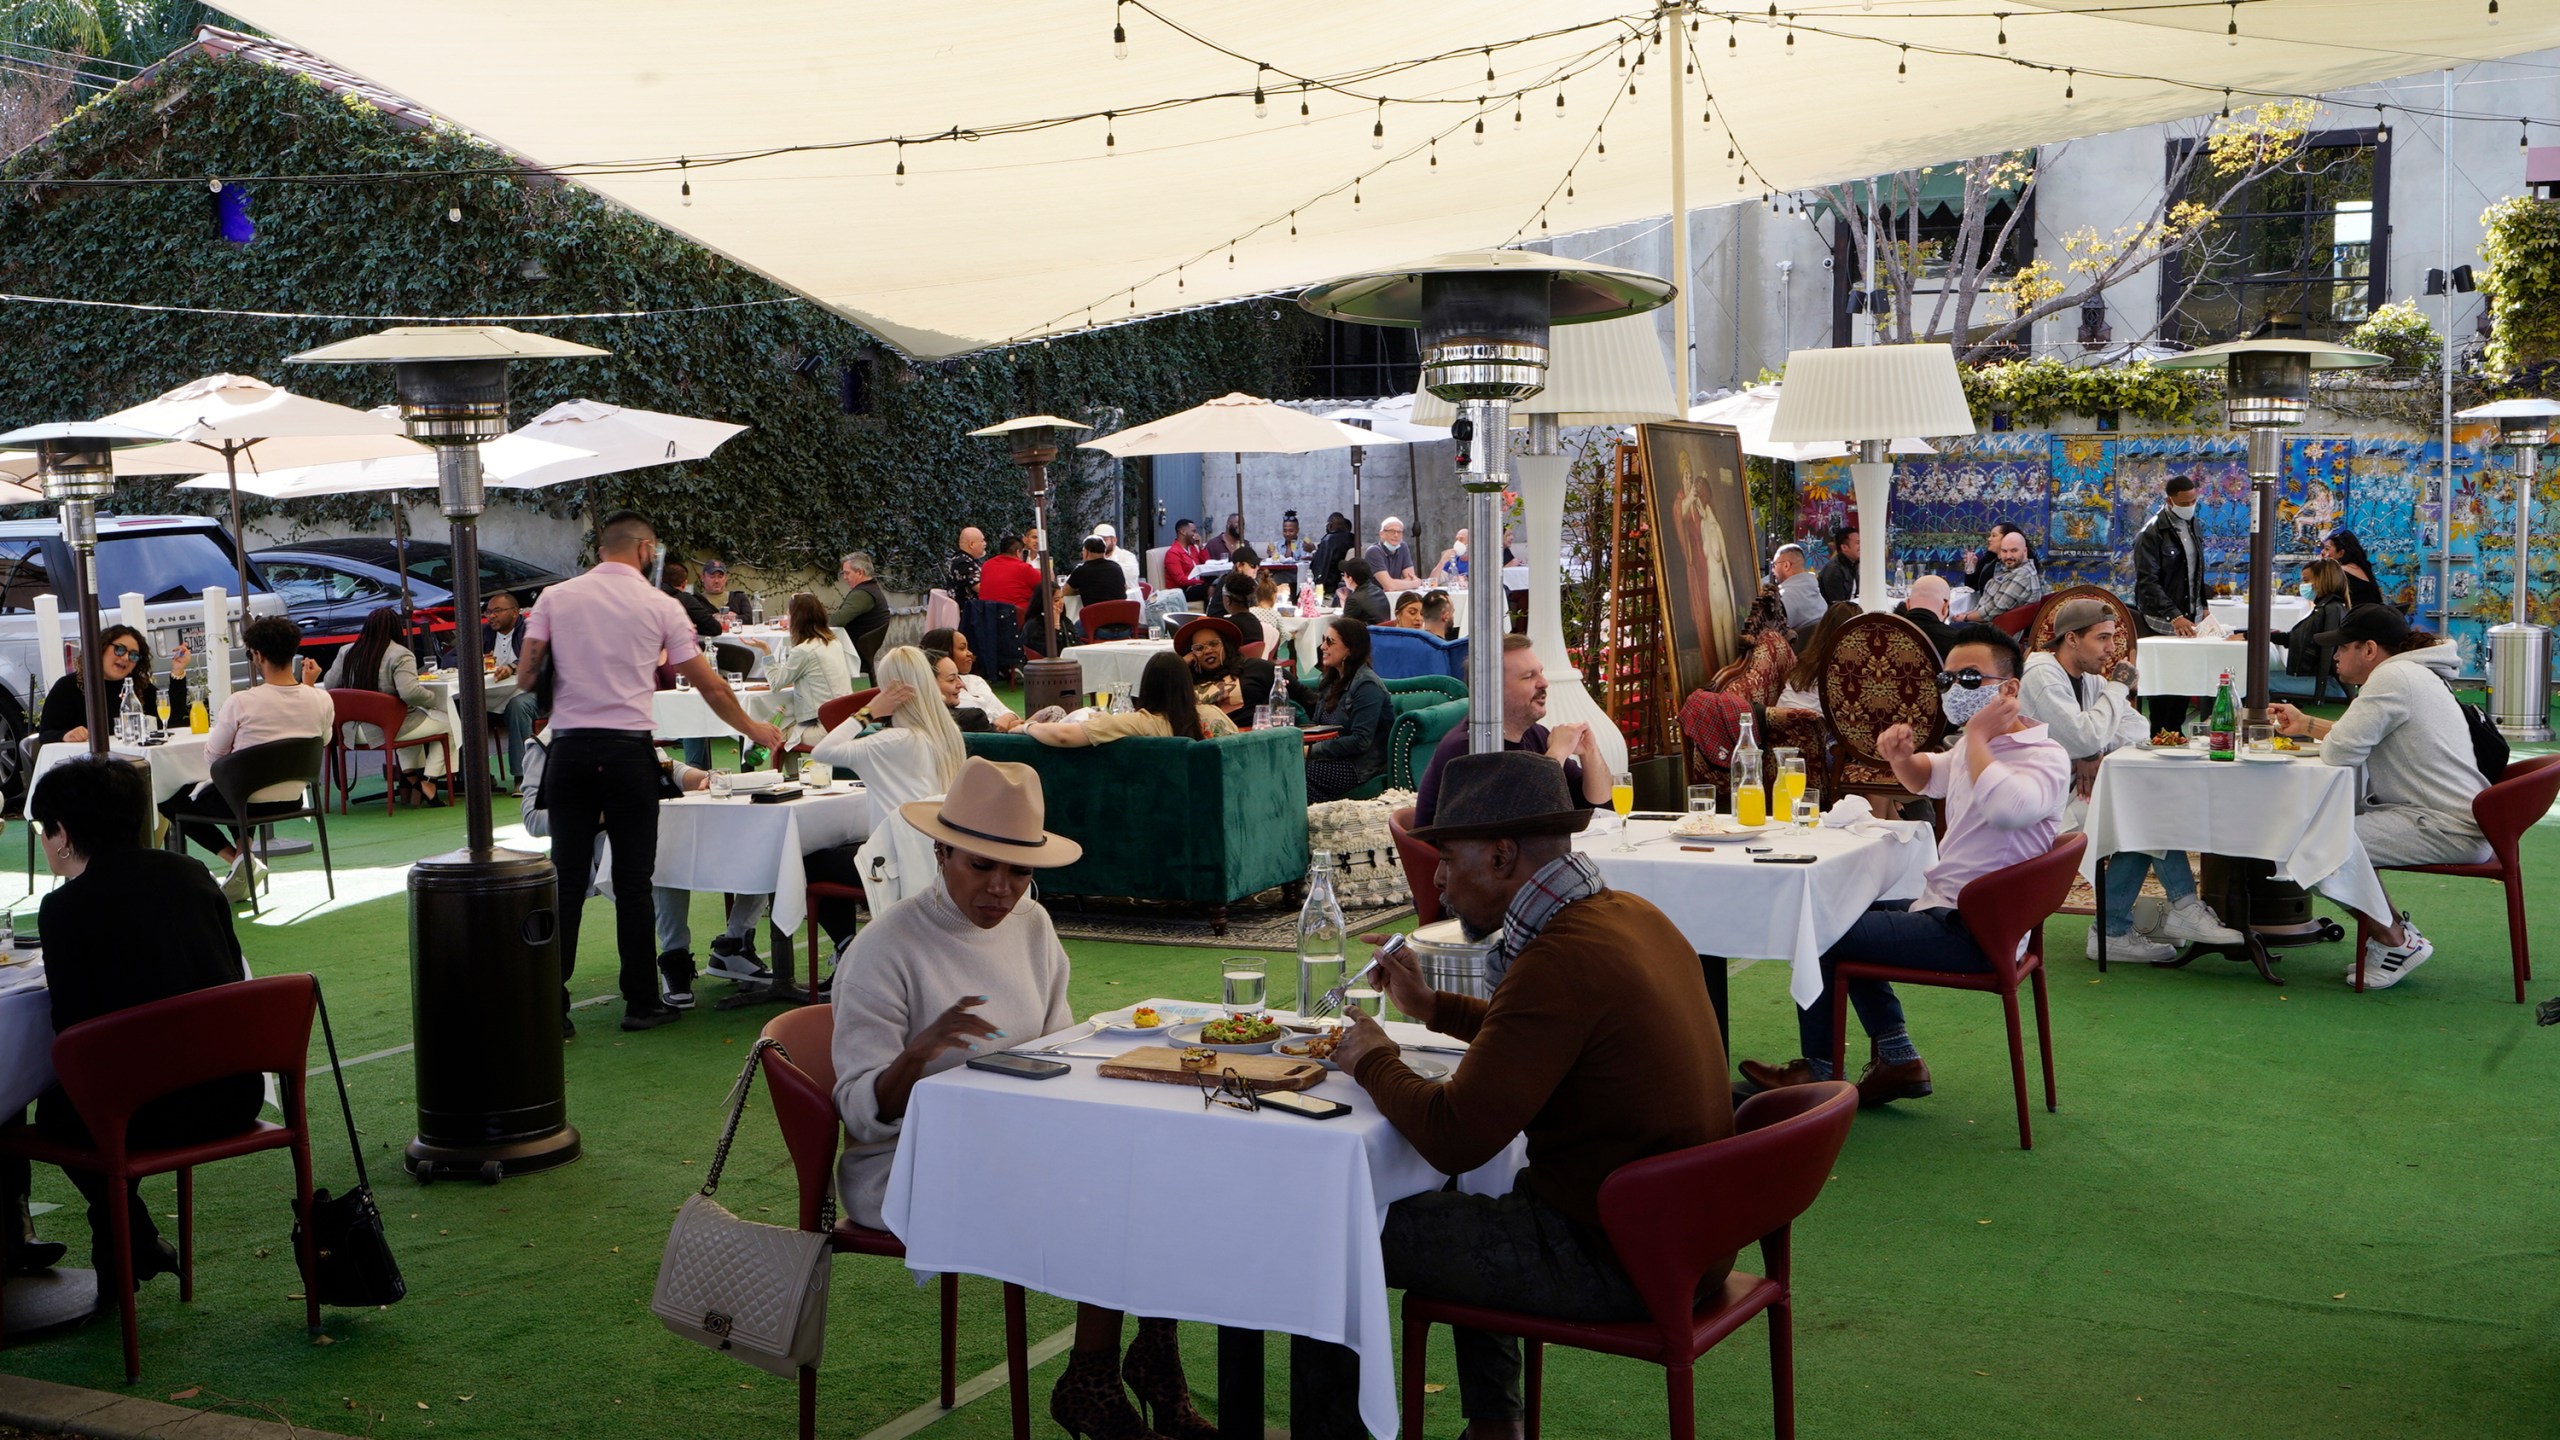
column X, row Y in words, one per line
column 1122, row 615
column 2001, row 910
column 2504, row 811
column 1672, row 1218
column 1421, row 866
column 802, row 1079
column 113, row 1066
column 1252, row 650
column 837, row 711
column 386, row 714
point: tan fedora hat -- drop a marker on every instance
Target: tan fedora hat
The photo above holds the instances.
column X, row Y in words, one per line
column 995, row 809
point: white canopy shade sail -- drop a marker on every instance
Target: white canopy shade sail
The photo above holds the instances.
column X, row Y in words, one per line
column 1047, row 185
column 1392, row 418
column 1749, row 412
column 611, row 439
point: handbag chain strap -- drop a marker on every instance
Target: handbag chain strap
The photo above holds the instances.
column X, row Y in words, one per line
column 330, row 1039
column 738, row 1110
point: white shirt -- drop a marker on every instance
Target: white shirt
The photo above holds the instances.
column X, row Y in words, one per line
column 265, row 712
column 1127, row 560
column 2008, row 813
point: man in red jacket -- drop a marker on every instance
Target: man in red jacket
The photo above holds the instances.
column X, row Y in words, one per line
column 1185, row 555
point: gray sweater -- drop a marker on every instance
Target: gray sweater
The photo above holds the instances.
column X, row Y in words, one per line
column 2407, row 731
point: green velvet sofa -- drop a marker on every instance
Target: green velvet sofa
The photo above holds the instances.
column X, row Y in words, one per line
column 1200, row 822
column 1427, row 707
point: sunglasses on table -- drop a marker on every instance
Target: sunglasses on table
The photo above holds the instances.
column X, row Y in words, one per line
column 1229, row 1089
column 1968, row 677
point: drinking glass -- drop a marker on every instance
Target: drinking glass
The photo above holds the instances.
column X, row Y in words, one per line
column 1702, row 799
column 2259, row 739
column 1750, row 805
column 1366, row 995
column 1806, row 811
column 1242, row 979
column 1790, row 782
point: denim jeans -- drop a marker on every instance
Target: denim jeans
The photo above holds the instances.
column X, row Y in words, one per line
column 1890, row 933
column 673, row 908
column 523, row 710
column 2125, row 870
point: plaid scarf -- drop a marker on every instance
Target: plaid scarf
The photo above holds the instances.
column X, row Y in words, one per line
column 1557, row 884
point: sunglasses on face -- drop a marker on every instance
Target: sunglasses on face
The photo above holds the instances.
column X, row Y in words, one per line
column 127, row 651
column 1968, row 677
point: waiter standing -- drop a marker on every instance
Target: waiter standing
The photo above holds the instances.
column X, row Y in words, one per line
column 600, row 636
column 2168, row 580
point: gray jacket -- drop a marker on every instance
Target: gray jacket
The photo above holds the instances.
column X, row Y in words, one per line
column 2407, row 731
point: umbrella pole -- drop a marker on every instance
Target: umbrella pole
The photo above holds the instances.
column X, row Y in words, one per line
column 1239, row 490
column 400, row 554
column 1358, row 526
column 239, row 538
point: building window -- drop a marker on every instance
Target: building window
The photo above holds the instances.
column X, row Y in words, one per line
column 2298, row 252
column 1360, row 362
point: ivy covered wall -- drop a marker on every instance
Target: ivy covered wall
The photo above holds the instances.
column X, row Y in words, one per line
column 808, row 482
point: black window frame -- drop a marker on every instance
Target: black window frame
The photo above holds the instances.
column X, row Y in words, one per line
column 2174, row 290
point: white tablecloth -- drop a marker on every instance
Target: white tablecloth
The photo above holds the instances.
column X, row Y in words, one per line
column 176, row 762
column 1726, row 904
column 1134, row 1196
column 731, row 844
column 685, row 715
column 2175, row 665
column 26, row 1038
column 1116, row 662
column 2284, row 612
column 2298, row 813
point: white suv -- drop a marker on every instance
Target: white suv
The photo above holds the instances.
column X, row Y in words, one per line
column 167, row 559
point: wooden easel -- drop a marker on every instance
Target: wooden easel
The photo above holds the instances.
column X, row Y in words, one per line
column 1635, row 653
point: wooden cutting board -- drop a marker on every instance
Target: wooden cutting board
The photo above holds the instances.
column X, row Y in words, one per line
column 1164, row 1066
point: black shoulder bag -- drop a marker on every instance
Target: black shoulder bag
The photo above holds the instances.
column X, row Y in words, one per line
column 351, row 1258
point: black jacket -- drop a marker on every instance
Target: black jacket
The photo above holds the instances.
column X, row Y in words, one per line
column 1940, row 633
column 1099, row 580
column 64, row 710
column 1325, row 564
column 2168, row 583
column 1364, row 712
column 706, row 621
column 1368, row 604
column 1839, row 580
column 2303, row 653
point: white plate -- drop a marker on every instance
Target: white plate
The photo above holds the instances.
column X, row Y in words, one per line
column 1282, row 1050
column 1429, row 1067
column 2266, row 757
column 2179, row 752
column 1116, row 1022
column 1725, row 837
column 1189, row 1035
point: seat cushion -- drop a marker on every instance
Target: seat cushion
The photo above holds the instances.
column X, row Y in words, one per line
column 851, row 1239
column 1743, row 1296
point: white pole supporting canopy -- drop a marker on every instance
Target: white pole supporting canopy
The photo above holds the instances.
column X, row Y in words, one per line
column 1157, row 185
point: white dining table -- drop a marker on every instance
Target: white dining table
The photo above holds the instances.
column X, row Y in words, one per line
column 177, row 762
column 2298, row 813
column 729, row 844
column 2284, row 612
column 2188, row 665
column 684, row 715
column 1136, row 1197
column 1115, row 662
column 1727, row 904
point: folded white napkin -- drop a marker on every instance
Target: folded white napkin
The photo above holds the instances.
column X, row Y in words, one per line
column 1849, row 809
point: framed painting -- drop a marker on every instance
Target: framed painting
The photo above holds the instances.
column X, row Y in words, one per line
column 1706, row 562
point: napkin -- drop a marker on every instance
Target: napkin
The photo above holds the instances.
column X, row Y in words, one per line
column 1849, row 809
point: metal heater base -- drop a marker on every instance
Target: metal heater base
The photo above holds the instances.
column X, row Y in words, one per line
column 491, row 1163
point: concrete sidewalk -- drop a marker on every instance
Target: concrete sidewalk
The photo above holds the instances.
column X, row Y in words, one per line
column 43, row 1405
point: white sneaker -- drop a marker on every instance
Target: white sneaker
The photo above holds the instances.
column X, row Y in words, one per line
column 243, row 877
column 2193, row 922
column 2133, row 948
column 2387, row 965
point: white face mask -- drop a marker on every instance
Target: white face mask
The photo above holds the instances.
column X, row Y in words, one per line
column 2183, row 512
column 1458, row 548
column 1960, row 705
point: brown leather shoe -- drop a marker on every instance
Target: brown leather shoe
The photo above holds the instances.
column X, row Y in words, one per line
column 1881, row 1084
column 1798, row 1071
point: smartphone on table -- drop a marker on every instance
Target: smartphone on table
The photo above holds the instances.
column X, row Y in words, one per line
column 1020, row 1067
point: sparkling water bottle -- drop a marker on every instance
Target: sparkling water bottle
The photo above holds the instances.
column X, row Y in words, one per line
column 1323, row 939
column 129, row 715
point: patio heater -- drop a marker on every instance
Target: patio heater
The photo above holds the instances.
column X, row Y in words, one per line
column 1056, row 680
column 1484, row 317
column 2266, row 391
column 2519, row 650
column 484, row 943
column 1866, row 395
column 75, row 464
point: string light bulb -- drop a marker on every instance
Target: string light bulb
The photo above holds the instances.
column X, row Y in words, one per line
column 1119, row 32
column 2524, row 136
column 453, row 214
column 1293, row 224
column 1488, row 65
column 1355, row 194
column 901, row 175
column 2226, row 102
column 1261, row 105
column 1378, row 128
column 1110, row 134
column 2493, row 13
column 1902, row 67
column 1604, row 146
column 2003, row 18
column 1435, row 157
column 1568, row 187
column 1791, row 37
column 684, row 192
column 1732, row 38
column 2070, row 90
column 2381, row 125
column 1302, row 105
column 1559, row 103
column 2231, row 31
column 1479, row 136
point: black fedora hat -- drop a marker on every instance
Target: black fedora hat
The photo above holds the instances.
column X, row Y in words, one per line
column 1509, row 792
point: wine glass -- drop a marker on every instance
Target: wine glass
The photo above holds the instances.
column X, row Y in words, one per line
column 1622, row 798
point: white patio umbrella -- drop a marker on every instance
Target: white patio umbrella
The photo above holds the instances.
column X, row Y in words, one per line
column 1392, row 419
column 1238, row 424
column 612, row 439
column 229, row 418
column 1749, row 411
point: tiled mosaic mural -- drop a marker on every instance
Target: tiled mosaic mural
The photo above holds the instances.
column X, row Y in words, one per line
column 2084, row 497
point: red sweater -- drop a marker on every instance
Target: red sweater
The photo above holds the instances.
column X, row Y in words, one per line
column 1006, row 579
column 1179, row 562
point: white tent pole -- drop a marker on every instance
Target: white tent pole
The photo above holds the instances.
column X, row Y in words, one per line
column 1669, row 16
column 2444, row 464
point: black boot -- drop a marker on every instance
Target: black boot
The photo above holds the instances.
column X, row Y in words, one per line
column 1089, row 1401
column 1153, row 1368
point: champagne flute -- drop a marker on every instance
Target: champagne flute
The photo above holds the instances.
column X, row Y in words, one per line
column 1622, row 798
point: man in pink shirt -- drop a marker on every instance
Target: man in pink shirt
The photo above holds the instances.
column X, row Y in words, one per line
column 597, row 639
column 2003, row 784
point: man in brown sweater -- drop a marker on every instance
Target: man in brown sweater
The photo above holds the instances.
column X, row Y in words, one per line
column 1598, row 1044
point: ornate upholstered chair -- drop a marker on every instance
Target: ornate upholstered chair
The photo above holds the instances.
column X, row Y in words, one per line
column 2040, row 632
column 1883, row 673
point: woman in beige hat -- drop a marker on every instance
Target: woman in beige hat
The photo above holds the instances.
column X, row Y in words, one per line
column 968, row 965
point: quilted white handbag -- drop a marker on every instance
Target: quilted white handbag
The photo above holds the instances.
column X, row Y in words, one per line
column 1366, row 870
column 757, row 1292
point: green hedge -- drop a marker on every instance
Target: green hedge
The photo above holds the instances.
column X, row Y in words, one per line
column 806, row 483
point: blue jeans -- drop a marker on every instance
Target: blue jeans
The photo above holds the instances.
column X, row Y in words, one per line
column 697, row 753
column 2125, row 870
column 522, row 711
column 1890, row 933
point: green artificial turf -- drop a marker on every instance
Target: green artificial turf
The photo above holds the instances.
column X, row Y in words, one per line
column 2261, row 1211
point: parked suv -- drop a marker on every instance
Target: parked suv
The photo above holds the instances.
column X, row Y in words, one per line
column 167, row 559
